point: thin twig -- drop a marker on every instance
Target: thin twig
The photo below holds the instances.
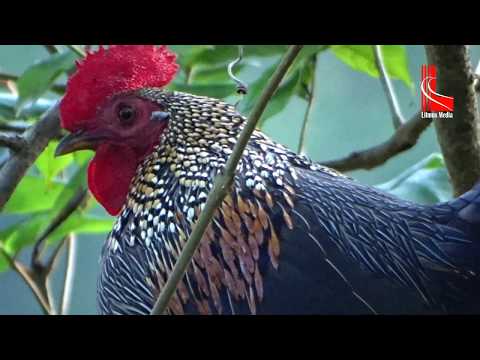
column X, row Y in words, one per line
column 77, row 199
column 69, row 275
column 311, row 94
column 404, row 138
column 47, row 270
column 53, row 259
column 39, row 292
column 51, row 298
column 397, row 116
column 77, row 50
column 222, row 184
column 13, row 142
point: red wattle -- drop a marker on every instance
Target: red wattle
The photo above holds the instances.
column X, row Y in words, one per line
column 110, row 174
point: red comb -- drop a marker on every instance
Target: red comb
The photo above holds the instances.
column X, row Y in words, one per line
column 109, row 71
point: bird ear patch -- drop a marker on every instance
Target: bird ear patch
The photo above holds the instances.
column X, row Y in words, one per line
column 110, row 71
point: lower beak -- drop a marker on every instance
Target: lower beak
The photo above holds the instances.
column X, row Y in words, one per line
column 79, row 140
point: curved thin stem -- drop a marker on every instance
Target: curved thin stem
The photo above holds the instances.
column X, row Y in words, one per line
column 242, row 88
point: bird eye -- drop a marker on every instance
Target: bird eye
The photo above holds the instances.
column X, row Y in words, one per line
column 126, row 114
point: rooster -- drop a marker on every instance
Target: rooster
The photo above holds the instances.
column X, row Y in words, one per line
column 291, row 237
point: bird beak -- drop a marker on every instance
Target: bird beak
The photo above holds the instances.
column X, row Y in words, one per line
column 79, row 140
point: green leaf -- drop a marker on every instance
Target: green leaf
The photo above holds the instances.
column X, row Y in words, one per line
column 82, row 157
column 254, row 90
column 49, row 165
column 212, row 90
column 76, row 182
column 33, row 194
column 4, row 266
column 396, row 62
column 279, row 100
column 426, row 182
column 203, row 75
column 361, row 58
column 38, row 78
column 22, row 234
column 281, row 97
column 306, row 79
column 305, row 56
column 224, row 54
column 16, row 237
column 186, row 54
column 81, row 224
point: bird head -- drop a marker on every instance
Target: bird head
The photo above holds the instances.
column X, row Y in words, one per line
column 104, row 111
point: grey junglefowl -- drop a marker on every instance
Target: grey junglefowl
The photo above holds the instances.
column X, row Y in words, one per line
column 292, row 236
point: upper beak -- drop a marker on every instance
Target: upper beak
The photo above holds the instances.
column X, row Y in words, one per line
column 79, row 140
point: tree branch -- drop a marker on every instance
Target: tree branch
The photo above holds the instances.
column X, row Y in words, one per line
column 36, row 139
column 397, row 116
column 404, row 138
column 46, row 270
column 13, row 142
column 13, row 126
column 459, row 138
column 222, row 184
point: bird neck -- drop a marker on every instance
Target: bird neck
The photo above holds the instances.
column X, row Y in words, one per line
column 171, row 187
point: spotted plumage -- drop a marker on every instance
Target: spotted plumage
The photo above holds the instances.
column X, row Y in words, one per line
column 275, row 194
column 291, row 236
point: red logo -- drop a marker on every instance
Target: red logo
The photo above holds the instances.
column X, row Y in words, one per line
column 431, row 100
